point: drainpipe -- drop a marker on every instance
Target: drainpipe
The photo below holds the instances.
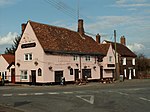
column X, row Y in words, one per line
column 80, row 68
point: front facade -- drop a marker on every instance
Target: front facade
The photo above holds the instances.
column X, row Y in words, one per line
column 7, row 68
column 48, row 53
column 125, row 59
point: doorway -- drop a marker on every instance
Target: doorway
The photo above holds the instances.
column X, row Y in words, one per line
column 33, row 74
column 58, row 76
column 12, row 75
column 76, row 76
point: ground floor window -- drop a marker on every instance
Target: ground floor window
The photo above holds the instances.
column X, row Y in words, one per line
column 86, row 72
column 24, row 74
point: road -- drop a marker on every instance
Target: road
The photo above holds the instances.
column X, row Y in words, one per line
column 128, row 96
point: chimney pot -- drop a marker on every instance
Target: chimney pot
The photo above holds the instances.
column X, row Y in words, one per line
column 80, row 26
column 123, row 40
column 98, row 38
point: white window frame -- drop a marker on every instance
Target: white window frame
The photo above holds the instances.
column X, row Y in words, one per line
column 110, row 58
column 87, row 58
column 124, row 61
column 75, row 58
column 24, row 76
column 133, row 61
column 28, row 56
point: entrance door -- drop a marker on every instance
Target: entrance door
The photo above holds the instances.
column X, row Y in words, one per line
column 101, row 72
column 12, row 75
column 33, row 74
column 58, row 76
column 76, row 77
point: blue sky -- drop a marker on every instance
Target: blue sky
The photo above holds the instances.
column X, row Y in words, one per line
column 130, row 18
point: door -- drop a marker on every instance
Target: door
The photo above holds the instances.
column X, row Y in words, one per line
column 58, row 76
column 76, row 76
column 12, row 75
column 101, row 72
column 33, row 74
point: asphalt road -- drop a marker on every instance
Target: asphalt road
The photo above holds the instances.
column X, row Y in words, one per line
column 128, row 96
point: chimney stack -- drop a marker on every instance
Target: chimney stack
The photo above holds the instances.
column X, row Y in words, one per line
column 123, row 40
column 80, row 26
column 98, row 38
column 23, row 26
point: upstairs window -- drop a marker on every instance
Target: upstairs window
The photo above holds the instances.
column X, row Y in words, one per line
column 75, row 58
column 133, row 61
column 87, row 58
column 28, row 56
column 124, row 61
column 110, row 58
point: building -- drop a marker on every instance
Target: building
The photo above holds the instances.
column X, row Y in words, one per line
column 7, row 68
column 125, row 59
column 47, row 53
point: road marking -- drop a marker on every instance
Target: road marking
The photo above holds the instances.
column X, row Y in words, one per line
column 145, row 99
column 7, row 95
column 53, row 93
column 67, row 92
column 23, row 94
column 84, row 97
column 123, row 93
column 38, row 93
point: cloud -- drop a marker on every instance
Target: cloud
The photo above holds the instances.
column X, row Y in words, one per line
column 8, row 2
column 131, row 3
column 136, row 47
column 8, row 39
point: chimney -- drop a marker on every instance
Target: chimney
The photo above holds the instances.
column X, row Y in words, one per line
column 23, row 26
column 80, row 26
column 98, row 38
column 123, row 40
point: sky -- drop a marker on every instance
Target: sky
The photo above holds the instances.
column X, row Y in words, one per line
column 130, row 18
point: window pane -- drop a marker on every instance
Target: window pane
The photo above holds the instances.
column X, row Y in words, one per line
column 30, row 56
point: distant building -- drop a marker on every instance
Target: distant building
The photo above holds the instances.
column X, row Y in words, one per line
column 7, row 67
column 47, row 53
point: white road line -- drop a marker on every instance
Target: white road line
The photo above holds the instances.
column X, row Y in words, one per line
column 145, row 99
column 86, row 98
column 7, row 95
column 67, row 92
column 23, row 94
column 53, row 93
column 38, row 93
column 123, row 93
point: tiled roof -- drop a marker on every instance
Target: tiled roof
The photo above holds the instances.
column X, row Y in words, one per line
column 123, row 50
column 9, row 58
column 104, row 48
column 61, row 40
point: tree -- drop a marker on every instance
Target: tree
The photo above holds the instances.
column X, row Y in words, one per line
column 14, row 47
column 143, row 65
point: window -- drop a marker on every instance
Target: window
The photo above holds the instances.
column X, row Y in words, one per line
column 124, row 61
column 87, row 58
column 110, row 58
column 24, row 74
column 133, row 61
column 75, row 58
column 28, row 57
column 39, row 72
column 86, row 72
column 5, row 75
column 71, row 71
